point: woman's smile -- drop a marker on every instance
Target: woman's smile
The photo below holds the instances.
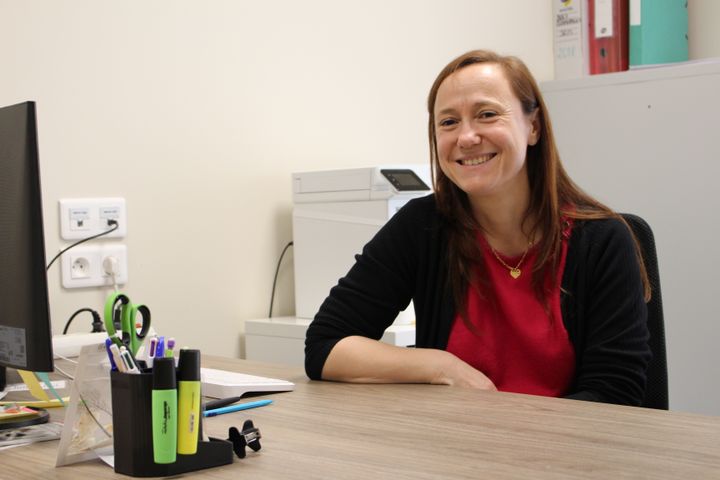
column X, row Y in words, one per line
column 477, row 160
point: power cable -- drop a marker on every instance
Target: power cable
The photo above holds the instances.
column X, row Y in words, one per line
column 277, row 270
column 111, row 223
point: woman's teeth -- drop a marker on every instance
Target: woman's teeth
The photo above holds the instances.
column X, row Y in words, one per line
column 476, row 161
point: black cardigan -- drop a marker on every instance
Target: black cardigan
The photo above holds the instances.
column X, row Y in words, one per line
column 602, row 301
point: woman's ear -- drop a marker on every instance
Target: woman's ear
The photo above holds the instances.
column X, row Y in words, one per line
column 534, row 136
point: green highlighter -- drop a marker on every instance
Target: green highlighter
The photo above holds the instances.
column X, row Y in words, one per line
column 164, row 411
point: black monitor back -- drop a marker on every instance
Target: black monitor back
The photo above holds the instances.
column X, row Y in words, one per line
column 25, row 328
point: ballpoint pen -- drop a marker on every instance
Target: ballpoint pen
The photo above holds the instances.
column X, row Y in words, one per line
column 221, row 402
column 160, row 348
column 111, row 356
column 115, row 351
column 236, row 408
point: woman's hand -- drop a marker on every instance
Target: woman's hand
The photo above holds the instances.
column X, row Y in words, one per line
column 457, row 373
column 363, row 360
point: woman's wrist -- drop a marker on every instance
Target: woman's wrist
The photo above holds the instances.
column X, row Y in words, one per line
column 442, row 364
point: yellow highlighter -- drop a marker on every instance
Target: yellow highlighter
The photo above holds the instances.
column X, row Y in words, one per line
column 188, row 424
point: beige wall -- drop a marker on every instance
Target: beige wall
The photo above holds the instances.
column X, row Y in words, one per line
column 703, row 31
column 197, row 112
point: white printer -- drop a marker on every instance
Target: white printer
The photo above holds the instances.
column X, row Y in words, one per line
column 336, row 212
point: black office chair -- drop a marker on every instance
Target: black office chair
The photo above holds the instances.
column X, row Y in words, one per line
column 656, row 392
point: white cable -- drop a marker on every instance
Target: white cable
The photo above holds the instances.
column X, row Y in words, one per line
column 64, row 373
column 61, row 357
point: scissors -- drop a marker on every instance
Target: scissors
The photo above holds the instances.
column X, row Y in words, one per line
column 119, row 303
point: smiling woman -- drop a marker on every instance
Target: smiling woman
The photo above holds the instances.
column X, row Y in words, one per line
column 521, row 282
column 482, row 135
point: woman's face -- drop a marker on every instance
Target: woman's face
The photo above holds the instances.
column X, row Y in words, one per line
column 482, row 133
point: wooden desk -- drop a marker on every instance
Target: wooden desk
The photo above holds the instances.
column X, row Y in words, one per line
column 328, row 430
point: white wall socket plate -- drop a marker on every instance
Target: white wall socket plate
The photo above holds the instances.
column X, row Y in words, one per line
column 85, row 217
column 82, row 266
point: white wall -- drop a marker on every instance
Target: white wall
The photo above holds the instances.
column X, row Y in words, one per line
column 197, row 112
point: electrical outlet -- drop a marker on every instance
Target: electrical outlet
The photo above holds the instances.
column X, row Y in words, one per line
column 82, row 266
column 85, row 217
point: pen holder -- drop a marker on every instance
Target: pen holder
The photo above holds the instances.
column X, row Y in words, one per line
column 132, row 433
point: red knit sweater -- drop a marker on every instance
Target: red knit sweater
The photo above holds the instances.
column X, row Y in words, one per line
column 517, row 345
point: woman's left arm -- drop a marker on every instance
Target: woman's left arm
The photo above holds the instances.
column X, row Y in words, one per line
column 615, row 351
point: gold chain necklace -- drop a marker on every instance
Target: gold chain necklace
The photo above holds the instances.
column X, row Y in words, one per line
column 514, row 271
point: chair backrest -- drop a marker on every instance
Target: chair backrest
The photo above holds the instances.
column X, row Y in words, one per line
column 656, row 392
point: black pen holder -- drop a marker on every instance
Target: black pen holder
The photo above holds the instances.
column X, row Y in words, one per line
column 132, row 433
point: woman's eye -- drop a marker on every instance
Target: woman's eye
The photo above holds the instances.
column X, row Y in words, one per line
column 487, row 114
column 447, row 122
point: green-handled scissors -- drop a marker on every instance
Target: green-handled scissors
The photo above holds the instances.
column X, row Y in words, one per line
column 131, row 338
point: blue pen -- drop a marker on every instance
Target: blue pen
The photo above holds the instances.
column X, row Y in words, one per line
column 160, row 349
column 108, row 342
column 235, row 408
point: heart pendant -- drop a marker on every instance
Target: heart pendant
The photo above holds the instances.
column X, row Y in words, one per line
column 515, row 272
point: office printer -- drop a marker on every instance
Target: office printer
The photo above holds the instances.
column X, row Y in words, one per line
column 336, row 212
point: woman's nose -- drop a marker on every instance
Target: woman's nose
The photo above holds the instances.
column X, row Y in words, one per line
column 468, row 137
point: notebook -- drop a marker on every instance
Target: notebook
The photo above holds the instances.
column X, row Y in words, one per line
column 224, row 384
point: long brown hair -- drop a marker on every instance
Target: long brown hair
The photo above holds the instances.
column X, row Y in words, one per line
column 553, row 195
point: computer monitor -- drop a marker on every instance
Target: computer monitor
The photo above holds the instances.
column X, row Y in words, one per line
column 25, row 328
